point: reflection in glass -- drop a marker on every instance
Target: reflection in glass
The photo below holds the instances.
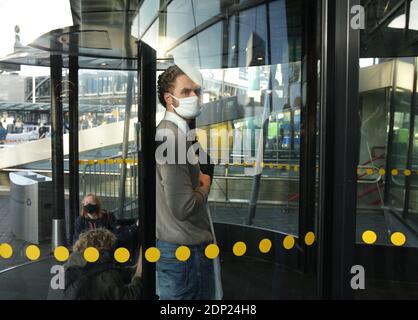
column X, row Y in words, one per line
column 387, row 171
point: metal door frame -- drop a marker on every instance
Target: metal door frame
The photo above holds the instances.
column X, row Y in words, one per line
column 147, row 105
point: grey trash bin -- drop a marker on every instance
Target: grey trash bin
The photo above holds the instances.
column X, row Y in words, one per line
column 31, row 206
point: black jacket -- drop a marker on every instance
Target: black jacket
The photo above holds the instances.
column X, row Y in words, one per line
column 104, row 280
column 83, row 224
column 127, row 235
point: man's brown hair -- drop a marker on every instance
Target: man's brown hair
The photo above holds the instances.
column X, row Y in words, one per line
column 166, row 82
column 101, row 239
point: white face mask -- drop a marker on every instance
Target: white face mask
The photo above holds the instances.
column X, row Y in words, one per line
column 188, row 108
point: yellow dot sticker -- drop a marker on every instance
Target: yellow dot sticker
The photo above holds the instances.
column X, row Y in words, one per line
column 152, row 254
column 288, row 242
column 407, row 172
column 271, row 165
column 358, row 172
column 33, row 253
column 395, row 172
column 309, row 238
column 183, row 253
column 369, row 237
column 398, row 239
column 212, row 251
column 382, row 172
column 279, row 166
column 61, row 253
column 296, row 168
column 369, row 171
column 6, row 251
column 265, row 246
column 239, row 248
column 90, row 162
column 287, row 167
column 122, row 255
column 91, row 254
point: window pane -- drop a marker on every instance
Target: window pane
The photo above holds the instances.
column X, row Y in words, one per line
column 387, row 179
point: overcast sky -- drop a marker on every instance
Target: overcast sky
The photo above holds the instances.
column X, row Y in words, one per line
column 34, row 19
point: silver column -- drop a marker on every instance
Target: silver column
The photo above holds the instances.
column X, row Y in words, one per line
column 58, row 233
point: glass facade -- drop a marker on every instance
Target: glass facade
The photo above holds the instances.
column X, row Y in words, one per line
column 387, row 159
column 280, row 120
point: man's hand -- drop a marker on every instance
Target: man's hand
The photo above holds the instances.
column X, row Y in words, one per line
column 204, row 181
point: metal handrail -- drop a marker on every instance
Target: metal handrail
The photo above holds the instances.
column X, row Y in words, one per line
column 27, row 263
column 246, row 177
column 126, row 204
column 399, row 184
column 370, row 181
column 111, row 185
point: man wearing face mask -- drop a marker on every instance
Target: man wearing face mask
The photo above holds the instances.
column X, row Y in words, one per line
column 182, row 191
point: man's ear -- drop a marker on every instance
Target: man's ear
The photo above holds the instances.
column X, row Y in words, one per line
column 168, row 99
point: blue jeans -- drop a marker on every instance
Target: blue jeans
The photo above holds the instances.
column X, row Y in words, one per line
column 189, row 280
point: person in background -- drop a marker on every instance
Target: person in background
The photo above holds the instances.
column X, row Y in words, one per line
column 93, row 216
column 101, row 280
column 3, row 133
column 42, row 131
column 66, row 123
column 19, row 126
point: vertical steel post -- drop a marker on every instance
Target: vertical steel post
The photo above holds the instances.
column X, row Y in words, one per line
column 339, row 150
column 268, row 104
column 409, row 160
column 57, row 151
column 128, row 108
column 307, row 180
column 146, row 159
column 125, row 145
column 73, row 144
column 388, row 175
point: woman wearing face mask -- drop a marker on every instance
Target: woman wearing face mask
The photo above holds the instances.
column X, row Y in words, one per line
column 92, row 217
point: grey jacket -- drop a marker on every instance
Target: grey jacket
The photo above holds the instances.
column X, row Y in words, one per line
column 181, row 213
